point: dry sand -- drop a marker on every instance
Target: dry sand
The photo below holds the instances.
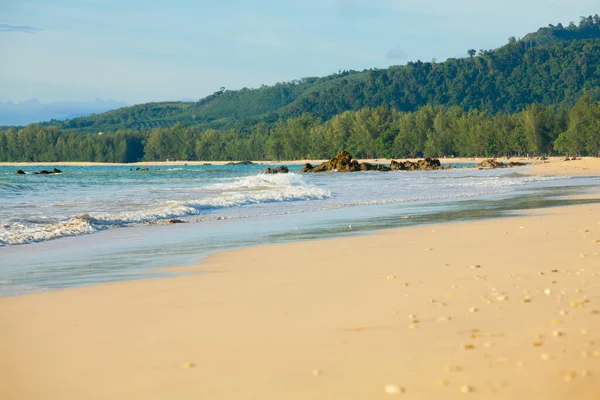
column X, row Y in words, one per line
column 501, row 309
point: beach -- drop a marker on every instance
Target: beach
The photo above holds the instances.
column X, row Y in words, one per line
column 504, row 308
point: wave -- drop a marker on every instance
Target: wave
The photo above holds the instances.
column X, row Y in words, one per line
column 279, row 190
column 260, row 181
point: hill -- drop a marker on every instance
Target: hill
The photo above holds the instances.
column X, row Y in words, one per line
column 552, row 66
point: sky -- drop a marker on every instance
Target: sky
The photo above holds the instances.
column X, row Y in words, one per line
column 156, row 50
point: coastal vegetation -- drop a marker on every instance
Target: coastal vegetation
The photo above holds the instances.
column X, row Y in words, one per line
column 534, row 96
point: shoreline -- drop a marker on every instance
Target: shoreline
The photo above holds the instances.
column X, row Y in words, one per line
column 431, row 310
column 455, row 160
column 551, row 166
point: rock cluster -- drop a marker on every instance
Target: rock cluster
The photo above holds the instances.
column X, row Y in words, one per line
column 240, row 163
column 277, row 170
column 420, row 165
column 343, row 162
column 42, row 172
column 491, row 163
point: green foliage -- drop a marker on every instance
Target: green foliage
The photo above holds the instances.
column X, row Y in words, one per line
column 368, row 133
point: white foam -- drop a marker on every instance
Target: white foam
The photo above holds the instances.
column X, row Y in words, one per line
column 20, row 233
column 261, row 181
column 279, row 190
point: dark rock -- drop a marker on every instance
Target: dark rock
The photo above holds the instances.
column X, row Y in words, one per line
column 241, row 163
column 426, row 164
column 176, row 221
column 343, row 162
column 44, row 172
column 20, row 172
column 306, row 167
column 366, row 166
column 56, row 171
column 278, row 170
column 491, row 163
column 395, row 166
column 516, row 164
column 144, row 169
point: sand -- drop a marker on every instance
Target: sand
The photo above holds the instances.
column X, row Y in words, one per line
column 497, row 309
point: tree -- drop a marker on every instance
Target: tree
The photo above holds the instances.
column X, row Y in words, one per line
column 472, row 52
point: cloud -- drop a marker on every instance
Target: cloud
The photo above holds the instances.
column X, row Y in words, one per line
column 396, row 54
column 18, row 28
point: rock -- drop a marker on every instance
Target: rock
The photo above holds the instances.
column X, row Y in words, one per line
column 44, row 172
column 366, row 166
column 56, row 171
column 420, row 165
column 381, row 167
column 144, row 169
column 20, row 172
column 343, row 162
column 491, row 163
column 175, row 221
column 278, row 170
column 306, row 167
column 240, row 163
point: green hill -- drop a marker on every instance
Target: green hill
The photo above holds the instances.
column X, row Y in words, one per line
column 552, row 66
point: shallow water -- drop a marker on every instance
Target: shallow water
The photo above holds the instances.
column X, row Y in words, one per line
column 101, row 224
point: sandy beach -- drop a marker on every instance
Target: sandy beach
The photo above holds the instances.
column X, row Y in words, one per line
column 506, row 309
column 550, row 166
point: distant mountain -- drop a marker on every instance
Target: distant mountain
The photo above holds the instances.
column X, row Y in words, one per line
column 32, row 110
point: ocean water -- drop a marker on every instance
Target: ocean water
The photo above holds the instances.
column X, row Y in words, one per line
column 100, row 224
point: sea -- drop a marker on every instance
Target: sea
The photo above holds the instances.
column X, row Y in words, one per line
column 98, row 224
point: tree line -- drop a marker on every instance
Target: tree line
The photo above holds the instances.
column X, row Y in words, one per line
column 380, row 132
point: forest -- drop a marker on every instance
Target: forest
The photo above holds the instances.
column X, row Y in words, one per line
column 380, row 132
column 537, row 95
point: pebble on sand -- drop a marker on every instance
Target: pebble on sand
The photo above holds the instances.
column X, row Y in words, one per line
column 188, row 364
column 393, row 389
column 569, row 376
column 316, row 372
column 466, row 389
column 468, row 346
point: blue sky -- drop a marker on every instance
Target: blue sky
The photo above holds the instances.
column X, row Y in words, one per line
column 140, row 51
